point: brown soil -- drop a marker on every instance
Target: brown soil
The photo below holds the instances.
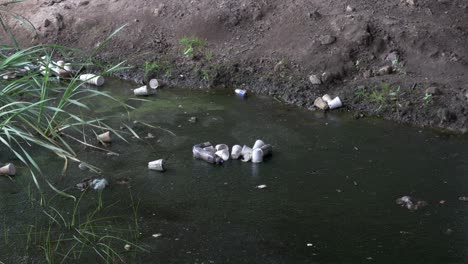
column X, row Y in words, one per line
column 273, row 46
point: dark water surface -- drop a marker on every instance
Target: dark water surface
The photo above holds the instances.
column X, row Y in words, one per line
column 332, row 185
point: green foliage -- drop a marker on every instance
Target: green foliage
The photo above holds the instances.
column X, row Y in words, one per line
column 381, row 96
column 157, row 67
column 191, row 46
column 427, row 99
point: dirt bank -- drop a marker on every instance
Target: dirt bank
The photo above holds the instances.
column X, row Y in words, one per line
column 273, row 46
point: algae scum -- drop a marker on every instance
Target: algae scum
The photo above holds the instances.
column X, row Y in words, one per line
column 331, row 184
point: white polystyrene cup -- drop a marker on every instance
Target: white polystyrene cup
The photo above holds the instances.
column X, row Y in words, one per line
column 246, row 150
column 257, row 155
column 236, row 151
column 335, row 103
column 141, row 91
column 327, row 98
column 222, row 146
column 223, row 153
column 258, row 144
column 68, row 67
column 92, row 79
column 8, row 169
column 154, row 83
column 157, row 165
column 105, row 137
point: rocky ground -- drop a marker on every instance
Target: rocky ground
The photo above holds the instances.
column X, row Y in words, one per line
column 404, row 60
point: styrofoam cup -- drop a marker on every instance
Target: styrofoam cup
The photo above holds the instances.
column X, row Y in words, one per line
column 92, row 79
column 221, row 147
column 327, row 98
column 335, row 103
column 8, row 169
column 258, row 144
column 105, row 137
column 257, row 155
column 141, row 91
column 157, row 165
column 223, row 153
column 68, row 67
column 236, row 151
column 155, row 83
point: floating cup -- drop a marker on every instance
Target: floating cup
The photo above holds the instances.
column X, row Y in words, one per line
column 335, row 103
column 257, row 155
column 267, row 150
column 142, row 91
column 236, row 151
column 240, row 92
column 105, row 137
column 223, row 153
column 92, row 79
column 157, row 165
column 155, row 83
column 222, row 146
column 258, row 144
column 246, row 150
column 8, row 169
column 247, row 156
column 327, row 98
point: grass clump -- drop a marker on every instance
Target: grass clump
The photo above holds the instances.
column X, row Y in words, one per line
column 191, row 46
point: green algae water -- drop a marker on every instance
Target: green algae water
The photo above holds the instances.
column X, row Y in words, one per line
column 332, row 182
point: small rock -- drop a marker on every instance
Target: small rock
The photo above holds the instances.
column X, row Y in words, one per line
column 385, row 70
column 315, row 80
column 83, row 3
column 367, row 74
column 392, row 57
column 192, row 119
column 320, row 104
column 433, row 90
column 46, row 23
column 349, row 9
column 327, row 39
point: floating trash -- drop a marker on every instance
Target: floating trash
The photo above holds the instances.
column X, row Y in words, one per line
column 223, row 153
column 262, row 186
column 258, row 144
column 200, row 152
column 8, row 169
column 257, row 155
column 92, row 79
column 236, row 152
column 241, row 92
column 411, row 203
column 157, row 165
column 142, row 91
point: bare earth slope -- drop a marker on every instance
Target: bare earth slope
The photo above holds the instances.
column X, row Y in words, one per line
column 273, row 46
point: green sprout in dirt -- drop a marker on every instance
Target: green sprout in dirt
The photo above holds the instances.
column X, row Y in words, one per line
column 427, row 99
column 191, row 46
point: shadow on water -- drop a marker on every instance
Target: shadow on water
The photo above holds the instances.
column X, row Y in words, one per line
column 332, row 185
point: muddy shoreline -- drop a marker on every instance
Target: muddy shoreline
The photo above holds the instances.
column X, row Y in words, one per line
column 404, row 61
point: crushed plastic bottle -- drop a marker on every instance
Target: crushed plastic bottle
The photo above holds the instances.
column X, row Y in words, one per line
column 199, row 152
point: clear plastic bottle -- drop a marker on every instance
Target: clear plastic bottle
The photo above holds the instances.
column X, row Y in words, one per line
column 200, row 153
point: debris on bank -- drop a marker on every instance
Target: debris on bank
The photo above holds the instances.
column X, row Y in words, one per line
column 220, row 153
column 326, row 102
